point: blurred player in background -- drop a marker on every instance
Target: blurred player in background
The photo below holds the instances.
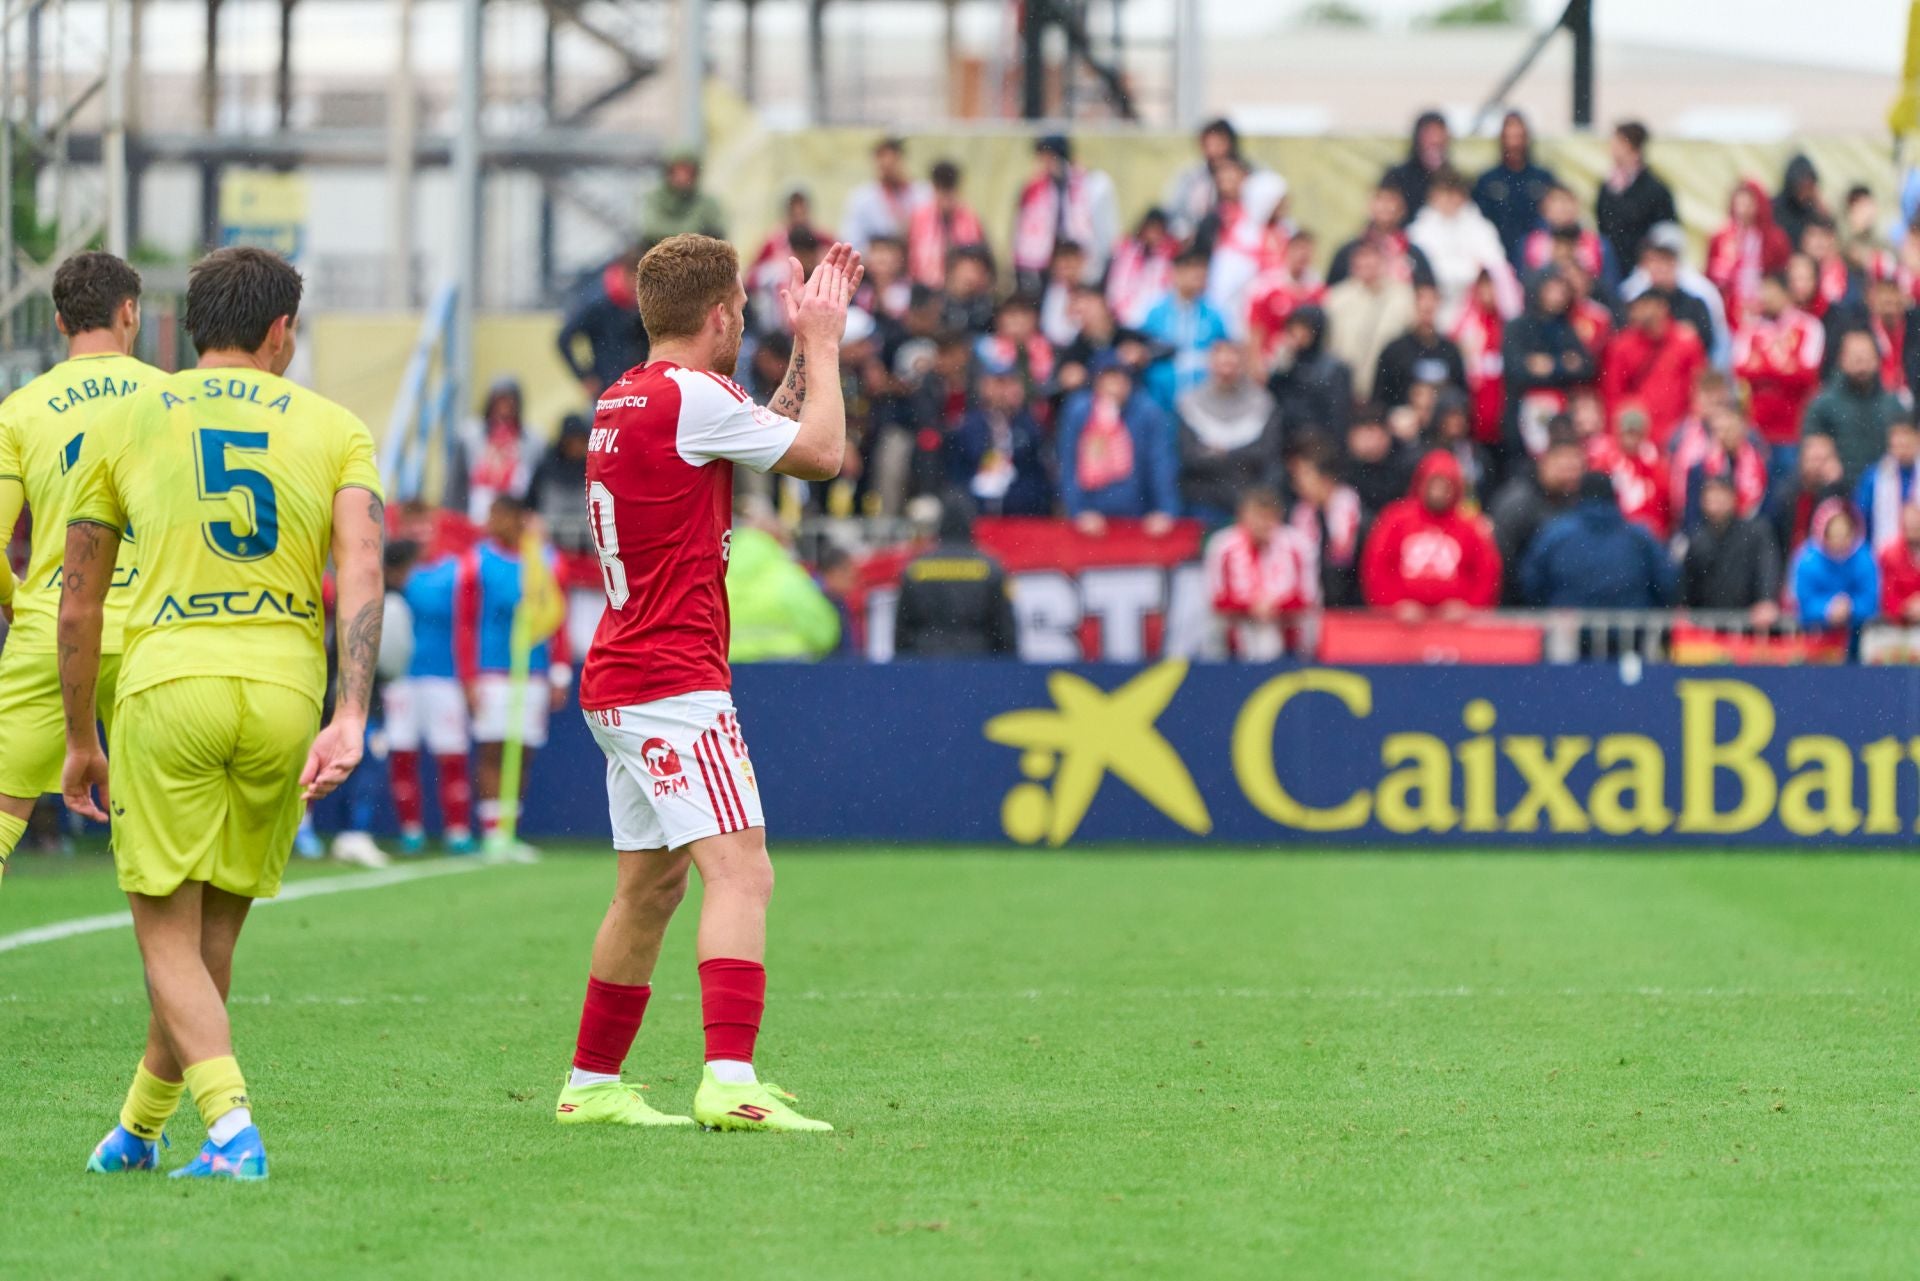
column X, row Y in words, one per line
column 487, row 591
column 427, row 707
column 238, row 484
column 43, row 436
column 655, row 689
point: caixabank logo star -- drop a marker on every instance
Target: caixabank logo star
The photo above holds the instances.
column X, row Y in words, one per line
column 1087, row 734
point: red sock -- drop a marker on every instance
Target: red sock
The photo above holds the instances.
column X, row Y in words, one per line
column 608, row 1023
column 403, row 769
column 456, row 794
column 733, row 994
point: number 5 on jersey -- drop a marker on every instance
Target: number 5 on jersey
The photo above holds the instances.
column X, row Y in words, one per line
column 221, row 477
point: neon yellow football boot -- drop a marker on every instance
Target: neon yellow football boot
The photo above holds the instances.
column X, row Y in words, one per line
column 756, row 1106
column 610, row 1103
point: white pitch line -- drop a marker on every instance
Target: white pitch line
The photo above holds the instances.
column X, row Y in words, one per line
column 79, row 925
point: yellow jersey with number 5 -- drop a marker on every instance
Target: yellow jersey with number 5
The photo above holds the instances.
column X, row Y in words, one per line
column 45, row 431
column 228, row 478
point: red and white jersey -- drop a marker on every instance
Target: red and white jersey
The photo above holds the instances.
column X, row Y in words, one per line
column 1281, row 574
column 660, row 503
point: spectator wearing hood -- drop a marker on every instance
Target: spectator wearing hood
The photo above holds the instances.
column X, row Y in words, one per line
column 1452, row 430
column 1641, row 474
column 996, row 456
column 1592, row 558
column 1652, row 362
column 1561, row 233
column 1376, row 464
column 492, row 457
column 1836, row 582
column 1427, row 152
column 939, row 225
column 605, row 313
column 1509, row 194
column 1543, row 360
column 1229, row 437
column 1186, row 325
column 1816, row 477
column 1899, row 563
column 1732, row 561
column 1461, row 246
column 1330, row 517
column 1421, row 354
column 1426, row 554
column 954, row 598
column 1745, row 251
column 1119, row 455
column 1386, row 231
column 1063, row 201
column 1890, row 485
column 1364, row 313
column 1259, row 569
column 1632, row 200
column 1799, row 203
column 1733, row 450
column 1855, row 408
column 676, row 205
column 1535, row 495
column 1312, row 387
column 885, row 204
column 1778, row 355
column 1690, row 295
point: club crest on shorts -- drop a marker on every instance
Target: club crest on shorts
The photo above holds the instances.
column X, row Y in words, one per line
column 664, row 764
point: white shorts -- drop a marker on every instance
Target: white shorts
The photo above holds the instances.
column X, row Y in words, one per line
column 426, row 709
column 677, row 771
column 492, row 691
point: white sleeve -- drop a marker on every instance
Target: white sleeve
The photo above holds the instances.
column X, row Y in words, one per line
column 719, row 420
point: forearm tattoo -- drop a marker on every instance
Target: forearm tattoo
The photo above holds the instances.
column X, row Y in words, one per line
column 793, row 391
column 359, row 650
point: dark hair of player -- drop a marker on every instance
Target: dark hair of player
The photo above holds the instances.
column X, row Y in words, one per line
column 235, row 294
column 682, row 279
column 89, row 288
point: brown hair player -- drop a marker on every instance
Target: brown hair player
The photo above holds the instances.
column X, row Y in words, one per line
column 655, row 688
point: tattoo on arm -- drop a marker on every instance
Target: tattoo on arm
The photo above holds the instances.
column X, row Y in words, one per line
column 793, row 391
column 86, row 575
column 359, row 649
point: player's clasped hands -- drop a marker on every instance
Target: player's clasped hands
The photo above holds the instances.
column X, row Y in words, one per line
column 817, row 306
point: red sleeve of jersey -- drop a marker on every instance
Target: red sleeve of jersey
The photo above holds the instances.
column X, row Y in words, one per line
column 466, row 618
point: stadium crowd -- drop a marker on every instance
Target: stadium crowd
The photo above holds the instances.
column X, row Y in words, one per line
column 1492, row 396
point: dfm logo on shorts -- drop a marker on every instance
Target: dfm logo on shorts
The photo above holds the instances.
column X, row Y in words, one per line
column 664, row 764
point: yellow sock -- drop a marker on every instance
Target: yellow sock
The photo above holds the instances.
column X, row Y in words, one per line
column 150, row 1101
column 218, row 1088
column 11, row 830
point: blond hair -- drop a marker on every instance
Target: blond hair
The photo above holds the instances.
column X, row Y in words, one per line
column 680, row 280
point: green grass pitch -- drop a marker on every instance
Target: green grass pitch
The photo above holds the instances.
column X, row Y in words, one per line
column 1117, row 1064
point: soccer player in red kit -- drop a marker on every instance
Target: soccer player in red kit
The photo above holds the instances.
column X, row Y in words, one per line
column 680, row 787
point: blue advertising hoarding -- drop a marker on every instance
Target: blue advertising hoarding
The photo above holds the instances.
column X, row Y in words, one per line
column 1582, row 755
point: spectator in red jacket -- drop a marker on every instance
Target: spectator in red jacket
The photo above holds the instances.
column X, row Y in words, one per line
column 1900, row 570
column 1425, row 554
column 1639, row 470
column 1652, row 361
column 1748, row 248
column 1778, row 355
column 1260, row 569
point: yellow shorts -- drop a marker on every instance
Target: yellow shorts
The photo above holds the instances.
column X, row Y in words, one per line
column 33, row 735
column 205, row 781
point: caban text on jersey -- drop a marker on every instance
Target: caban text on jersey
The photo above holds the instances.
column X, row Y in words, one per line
column 235, row 604
column 91, row 389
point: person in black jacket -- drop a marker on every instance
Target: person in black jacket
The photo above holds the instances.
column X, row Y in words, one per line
column 954, row 599
column 1312, row 388
column 557, row 490
column 1426, row 152
column 1731, row 563
column 1420, row 355
column 1799, row 202
column 605, row 313
column 1377, row 466
column 1509, row 194
column 1632, row 199
column 1543, row 359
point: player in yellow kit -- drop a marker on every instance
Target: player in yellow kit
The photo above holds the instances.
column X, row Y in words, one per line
column 43, row 436
column 238, row 484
